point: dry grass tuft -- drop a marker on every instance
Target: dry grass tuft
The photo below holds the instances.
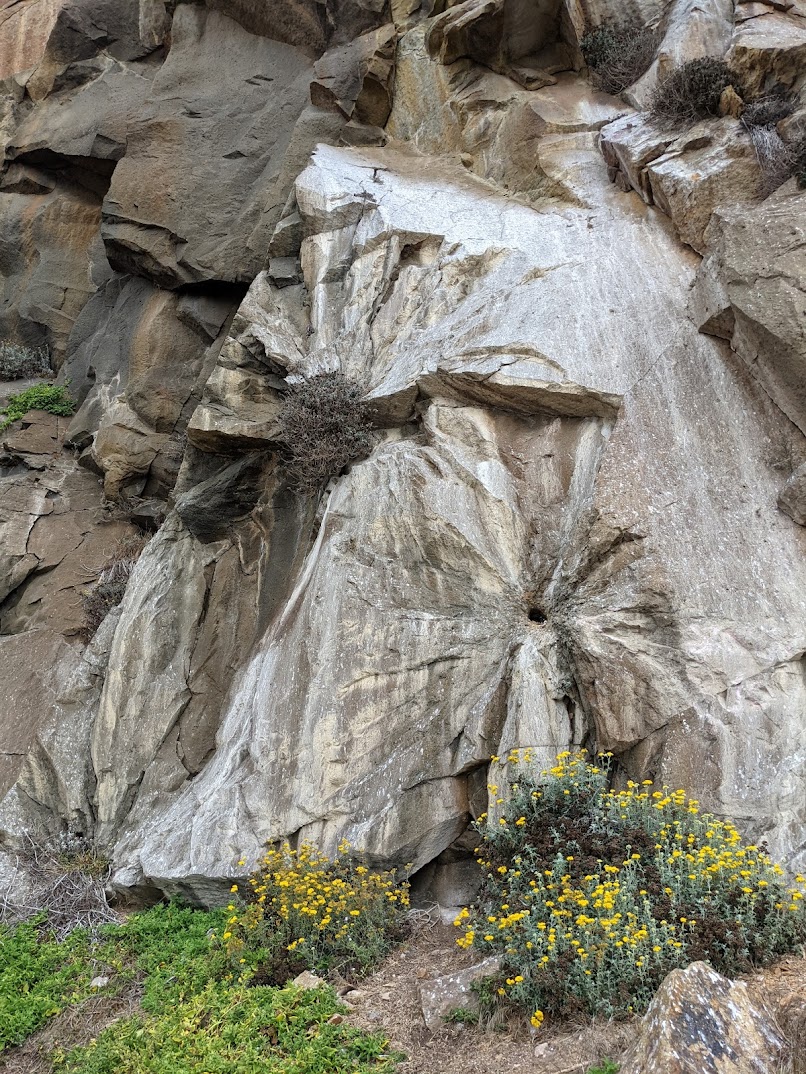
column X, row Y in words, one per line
column 66, row 882
column 692, row 92
column 618, row 55
column 326, row 426
column 109, row 588
column 774, row 158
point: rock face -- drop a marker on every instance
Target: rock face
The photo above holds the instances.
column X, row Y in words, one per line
column 701, row 1023
column 587, row 403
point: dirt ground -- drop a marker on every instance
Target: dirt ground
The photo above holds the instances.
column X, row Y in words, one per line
column 391, row 1001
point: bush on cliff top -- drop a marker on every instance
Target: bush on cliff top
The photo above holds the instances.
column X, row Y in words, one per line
column 591, row 895
column 18, row 361
column 692, row 92
column 618, row 55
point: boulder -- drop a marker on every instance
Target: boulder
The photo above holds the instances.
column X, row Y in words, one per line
column 196, row 149
column 356, row 79
column 24, row 31
column 453, row 992
column 750, row 290
column 769, row 48
column 686, row 175
column 701, row 1023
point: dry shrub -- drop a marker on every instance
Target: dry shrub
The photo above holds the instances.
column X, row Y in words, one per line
column 798, row 156
column 18, row 362
column 326, row 426
column 768, row 110
column 692, row 92
column 110, row 586
column 64, row 880
column 618, row 55
column 774, row 158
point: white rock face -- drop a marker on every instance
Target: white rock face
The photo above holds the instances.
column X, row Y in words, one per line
column 568, row 530
column 580, row 449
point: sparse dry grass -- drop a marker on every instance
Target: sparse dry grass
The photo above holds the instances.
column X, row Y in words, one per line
column 618, row 55
column 66, row 882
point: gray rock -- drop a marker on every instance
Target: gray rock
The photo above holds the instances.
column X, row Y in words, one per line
column 701, row 1023
column 454, row 992
column 792, row 499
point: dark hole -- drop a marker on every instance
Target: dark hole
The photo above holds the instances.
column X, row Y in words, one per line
column 537, row 615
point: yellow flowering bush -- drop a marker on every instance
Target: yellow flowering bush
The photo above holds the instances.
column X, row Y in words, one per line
column 301, row 910
column 593, row 895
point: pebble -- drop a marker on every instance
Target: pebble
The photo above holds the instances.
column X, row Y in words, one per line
column 99, row 982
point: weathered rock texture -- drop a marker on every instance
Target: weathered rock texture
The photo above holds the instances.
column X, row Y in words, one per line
column 701, row 1023
column 569, row 527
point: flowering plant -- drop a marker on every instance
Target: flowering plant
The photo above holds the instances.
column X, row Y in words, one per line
column 301, row 910
column 592, row 895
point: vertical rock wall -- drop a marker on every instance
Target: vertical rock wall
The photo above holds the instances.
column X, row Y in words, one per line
column 568, row 531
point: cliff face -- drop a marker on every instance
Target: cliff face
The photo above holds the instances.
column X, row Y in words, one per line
column 583, row 339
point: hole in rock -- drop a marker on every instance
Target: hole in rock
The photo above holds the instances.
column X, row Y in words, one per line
column 537, row 615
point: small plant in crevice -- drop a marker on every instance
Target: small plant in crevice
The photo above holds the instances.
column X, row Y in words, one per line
column 692, row 92
column 592, row 895
column 302, row 910
column 618, row 54
column 109, row 588
column 18, row 362
column 52, row 398
column 326, row 426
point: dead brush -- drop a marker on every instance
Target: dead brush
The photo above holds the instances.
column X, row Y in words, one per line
column 64, row 881
column 326, row 426
column 774, row 158
column 618, row 54
column 109, row 588
column 693, row 92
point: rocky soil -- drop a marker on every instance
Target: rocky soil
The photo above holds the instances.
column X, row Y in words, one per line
column 582, row 337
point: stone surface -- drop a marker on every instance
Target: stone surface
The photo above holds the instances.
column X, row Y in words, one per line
column 792, row 499
column 200, row 225
column 751, row 290
column 686, row 175
column 443, row 996
column 569, row 527
column 701, row 1023
column 356, row 78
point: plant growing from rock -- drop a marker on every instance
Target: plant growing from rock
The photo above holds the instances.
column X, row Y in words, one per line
column 618, row 55
column 110, row 587
column 799, row 162
column 326, row 426
column 593, row 895
column 52, row 398
column 692, row 92
column 300, row 910
column 18, row 361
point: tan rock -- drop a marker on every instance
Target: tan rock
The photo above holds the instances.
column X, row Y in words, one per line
column 730, row 103
column 770, row 49
column 24, row 31
column 701, row 1023
column 206, row 155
